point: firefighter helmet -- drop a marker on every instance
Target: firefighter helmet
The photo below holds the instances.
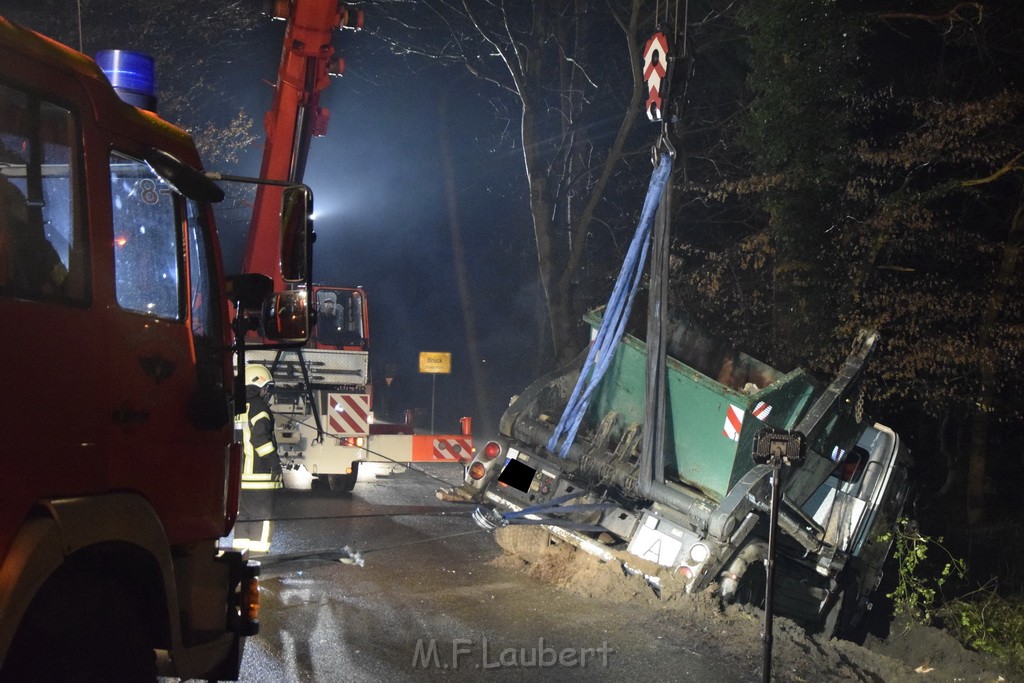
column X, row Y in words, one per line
column 258, row 376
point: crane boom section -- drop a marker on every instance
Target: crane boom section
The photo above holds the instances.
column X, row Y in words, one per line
column 295, row 116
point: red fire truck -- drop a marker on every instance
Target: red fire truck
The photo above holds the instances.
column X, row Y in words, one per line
column 118, row 336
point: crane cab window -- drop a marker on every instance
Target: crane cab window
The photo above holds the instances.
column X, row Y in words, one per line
column 42, row 245
column 147, row 239
column 340, row 320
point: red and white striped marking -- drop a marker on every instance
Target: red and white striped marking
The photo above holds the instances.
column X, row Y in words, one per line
column 453, row 449
column 761, row 410
column 348, row 414
column 733, row 422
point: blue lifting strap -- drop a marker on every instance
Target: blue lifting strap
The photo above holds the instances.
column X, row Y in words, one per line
column 620, row 304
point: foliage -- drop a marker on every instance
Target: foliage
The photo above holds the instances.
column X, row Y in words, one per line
column 981, row 620
column 988, row 622
column 918, row 586
column 868, row 175
column 887, row 190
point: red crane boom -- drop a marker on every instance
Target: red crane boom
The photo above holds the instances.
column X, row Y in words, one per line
column 295, row 116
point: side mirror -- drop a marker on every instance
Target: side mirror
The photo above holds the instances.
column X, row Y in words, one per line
column 249, row 289
column 185, row 179
column 296, row 209
column 286, row 316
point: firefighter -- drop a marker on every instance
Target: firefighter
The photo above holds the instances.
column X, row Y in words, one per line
column 261, row 467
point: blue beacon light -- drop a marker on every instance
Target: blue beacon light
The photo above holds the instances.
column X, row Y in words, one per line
column 133, row 75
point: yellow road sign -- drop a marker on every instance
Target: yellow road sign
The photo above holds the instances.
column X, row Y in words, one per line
column 436, row 362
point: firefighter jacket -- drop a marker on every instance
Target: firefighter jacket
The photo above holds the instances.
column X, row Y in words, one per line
column 261, row 467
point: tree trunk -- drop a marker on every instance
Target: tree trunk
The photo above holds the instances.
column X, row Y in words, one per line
column 987, row 369
column 559, row 267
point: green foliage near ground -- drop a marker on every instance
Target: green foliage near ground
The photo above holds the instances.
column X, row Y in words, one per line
column 919, row 578
column 988, row 622
column 981, row 620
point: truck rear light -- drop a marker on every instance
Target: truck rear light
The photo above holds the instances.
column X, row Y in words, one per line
column 477, row 471
column 492, row 450
column 249, row 602
column 685, row 571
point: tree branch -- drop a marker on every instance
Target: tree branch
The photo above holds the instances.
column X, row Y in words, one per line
column 1010, row 165
column 953, row 14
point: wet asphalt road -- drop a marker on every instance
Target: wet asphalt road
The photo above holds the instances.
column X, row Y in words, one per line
column 430, row 603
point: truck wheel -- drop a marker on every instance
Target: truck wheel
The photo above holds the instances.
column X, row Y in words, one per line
column 843, row 619
column 830, row 626
column 525, row 542
column 344, row 483
column 86, row 631
column 752, row 586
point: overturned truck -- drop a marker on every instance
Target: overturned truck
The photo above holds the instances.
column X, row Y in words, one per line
column 698, row 507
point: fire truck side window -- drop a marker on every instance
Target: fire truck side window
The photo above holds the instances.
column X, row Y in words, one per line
column 42, row 246
column 147, row 253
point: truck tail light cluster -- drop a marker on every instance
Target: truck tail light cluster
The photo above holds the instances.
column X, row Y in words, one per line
column 484, row 460
column 249, row 599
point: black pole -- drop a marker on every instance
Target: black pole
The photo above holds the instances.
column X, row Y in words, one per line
column 769, row 590
column 777, row 448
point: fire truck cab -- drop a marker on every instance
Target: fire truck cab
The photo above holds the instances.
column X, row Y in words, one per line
column 119, row 469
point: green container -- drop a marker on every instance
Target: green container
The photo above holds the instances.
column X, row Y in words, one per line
column 710, row 426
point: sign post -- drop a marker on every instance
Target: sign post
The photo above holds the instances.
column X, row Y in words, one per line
column 435, row 363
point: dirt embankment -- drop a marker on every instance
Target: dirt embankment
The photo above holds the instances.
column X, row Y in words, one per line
column 909, row 653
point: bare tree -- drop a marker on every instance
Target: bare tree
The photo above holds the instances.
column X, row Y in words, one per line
column 573, row 68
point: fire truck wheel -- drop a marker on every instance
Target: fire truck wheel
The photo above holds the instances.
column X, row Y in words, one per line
column 344, row 483
column 341, row 483
column 81, row 628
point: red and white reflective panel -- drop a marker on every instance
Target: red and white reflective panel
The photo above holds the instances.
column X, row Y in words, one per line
column 453, row 449
column 733, row 422
column 348, row 414
column 655, row 69
column 761, row 410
